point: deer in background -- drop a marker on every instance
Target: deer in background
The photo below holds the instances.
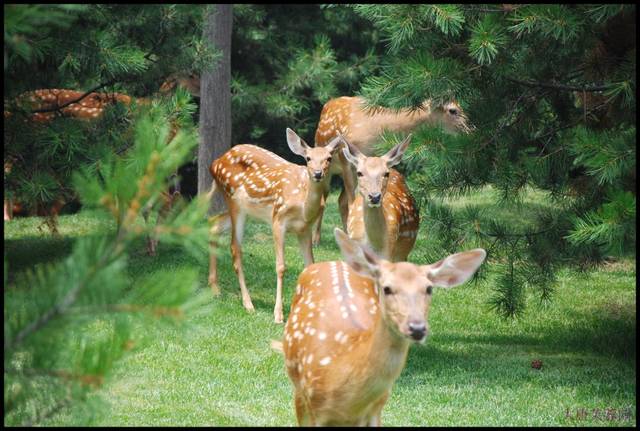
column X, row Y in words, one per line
column 362, row 127
column 258, row 183
column 383, row 214
column 351, row 325
column 58, row 103
column 70, row 103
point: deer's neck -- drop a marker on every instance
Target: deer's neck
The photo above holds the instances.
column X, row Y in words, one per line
column 375, row 226
column 311, row 206
column 405, row 120
column 391, row 354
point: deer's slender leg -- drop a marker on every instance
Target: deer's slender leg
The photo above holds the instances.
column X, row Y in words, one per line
column 318, row 225
column 304, row 240
column 220, row 224
column 278, row 241
column 237, row 232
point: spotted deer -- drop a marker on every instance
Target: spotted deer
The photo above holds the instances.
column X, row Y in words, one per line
column 57, row 103
column 72, row 104
column 351, row 325
column 383, row 214
column 362, row 127
column 258, row 183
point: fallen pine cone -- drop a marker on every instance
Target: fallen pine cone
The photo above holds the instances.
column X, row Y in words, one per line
column 536, row 363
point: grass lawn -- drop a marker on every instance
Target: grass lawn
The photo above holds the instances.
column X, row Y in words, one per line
column 217, row 368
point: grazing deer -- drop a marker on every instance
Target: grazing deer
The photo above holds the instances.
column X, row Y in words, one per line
column 383, row 214
column 257, row 182
column 362, row 128
column 351, row 325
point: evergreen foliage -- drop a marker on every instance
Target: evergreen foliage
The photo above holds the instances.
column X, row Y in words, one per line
column 551, row 91
column 66, row 324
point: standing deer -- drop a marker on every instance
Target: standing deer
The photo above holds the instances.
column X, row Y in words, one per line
column 257, row 182
column 362, row 128
column 351, row 325
column 383, row 214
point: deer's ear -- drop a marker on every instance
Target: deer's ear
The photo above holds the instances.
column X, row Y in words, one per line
column 361, row 259
column 456, row 268
column 351, row 153
column 296, row 144
column 394, row 155
column 335, row 142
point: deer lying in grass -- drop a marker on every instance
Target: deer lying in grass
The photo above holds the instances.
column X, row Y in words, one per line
column 362, row 128
column 258, row 183
column 383, row 214
column 351, row 325
column 71, row 103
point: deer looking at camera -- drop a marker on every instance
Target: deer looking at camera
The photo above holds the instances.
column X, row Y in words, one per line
column 351, row 325
column 383, row 214
column 362, row 127
column 258, row 183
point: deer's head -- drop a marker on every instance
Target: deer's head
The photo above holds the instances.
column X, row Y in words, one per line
column 452, row 118
column 318, row 158
column 404, row 289
column 373, row 172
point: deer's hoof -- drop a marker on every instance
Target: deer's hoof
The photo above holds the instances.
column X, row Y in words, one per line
column 278, row 318
column 249, row 307
column 215, row 289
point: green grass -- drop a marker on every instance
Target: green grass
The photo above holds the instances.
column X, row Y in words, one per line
column 217, row 368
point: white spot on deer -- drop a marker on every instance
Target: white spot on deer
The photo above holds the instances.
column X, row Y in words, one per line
column 322, row 335
column 325, row 361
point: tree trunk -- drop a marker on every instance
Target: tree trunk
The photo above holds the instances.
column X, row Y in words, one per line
column 215, row 98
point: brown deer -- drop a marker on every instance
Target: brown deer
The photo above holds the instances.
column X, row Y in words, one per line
column 57, row 101
column 383, row 214
column 260, row 184
column 351, row 325
column 92, row 107
column 362, row 127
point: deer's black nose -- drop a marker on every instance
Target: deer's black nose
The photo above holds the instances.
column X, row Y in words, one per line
column 374, row 198
column 317, row 175
column 418, row 330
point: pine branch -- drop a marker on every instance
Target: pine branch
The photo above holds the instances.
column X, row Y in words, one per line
column 68, row 300
column 585, row 87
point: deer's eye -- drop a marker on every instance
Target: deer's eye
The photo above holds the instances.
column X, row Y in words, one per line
column 308, row 159
column 453, row 111
column 386, row 174
column 329, row 160
column 359, row 173
column 429, row 290
column 387, row 290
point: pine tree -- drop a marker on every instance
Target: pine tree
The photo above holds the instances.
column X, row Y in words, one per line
column 61, row 343
column 127, row 49
column 551, row 90
column 287, row 61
